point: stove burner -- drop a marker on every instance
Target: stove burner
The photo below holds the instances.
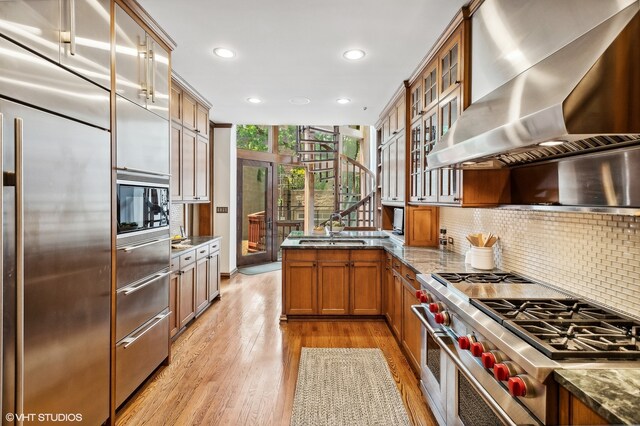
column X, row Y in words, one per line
column 480, row 278
column 561, row 339
column 522, row 309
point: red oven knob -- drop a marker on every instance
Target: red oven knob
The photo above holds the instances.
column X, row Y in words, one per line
column 464, row 343
column 434, row 307
column 488, row 360
column 443, row 318
column 501, row 372
column 517, row 386
column 425, row 298
column 418, row 294
column 477, row 349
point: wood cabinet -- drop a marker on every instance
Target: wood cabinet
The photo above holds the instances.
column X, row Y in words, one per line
column 186, row 294
column 422, row 226
column 396, row 315
column 174, row 286
column 191, row 150
column 393, row 170
column 387, row 290
column 332, row 282
column 575, row 412
column 214, row 271
column 411, row 326
column 202, row 276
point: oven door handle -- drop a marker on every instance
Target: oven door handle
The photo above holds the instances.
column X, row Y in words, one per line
column 478, row 387
column 423, row 320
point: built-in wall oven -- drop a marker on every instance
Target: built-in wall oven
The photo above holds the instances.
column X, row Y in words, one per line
column 143, row 204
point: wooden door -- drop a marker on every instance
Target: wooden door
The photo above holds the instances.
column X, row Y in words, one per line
column 411, row 327
column 176, row 103
column 174, row 286
column 396, row 323
column 188, row 165
column 187, row 308
column 450, row 65
column 202, row 276
column 202, row 121
column 422, row 226
column 189, row 112
column 301, row 287
column 202, row 169
column 365, row 288
column 176, row 162
column 333, row 288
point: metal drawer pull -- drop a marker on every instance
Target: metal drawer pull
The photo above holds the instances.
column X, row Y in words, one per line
column 187, row 258
column 409, row 277
column 148, row 172
column 131, row 340
column 132, row 248
column 144, row 284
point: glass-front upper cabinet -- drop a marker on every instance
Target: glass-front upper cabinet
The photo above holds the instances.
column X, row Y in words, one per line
column 430, row 87
column 415, row 158
column 449, row 66
column 416, row 101
column 429, row 177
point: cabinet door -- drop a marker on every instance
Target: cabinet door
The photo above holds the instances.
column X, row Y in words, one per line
column 176, row 103
column 333, row 288
column 415, row 163
column 449, row 185
column 422, row 226
column 415, row 105
column 187, row 301
column 430, row 87
column 393, row 170
column 202, row 276
column 91, row 21
column 214, row 276
column 176, row 162
column 301, row 287
column 386, row 169
column 401, row 114
column 202, row 169
column 158, row 99
column 388, row 293
column 400, row 168
column 189, row 112
column 202, row 121
column 131, row 58
column 411, row 327
column 429, row 176
column 41, row 15
column 449, row 66
column 396, row 324
column 365, row 288
column 174, row 286
column 188, row 165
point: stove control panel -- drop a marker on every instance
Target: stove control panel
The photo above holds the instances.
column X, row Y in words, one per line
column 519, row 386
column 491, row 358
column 504, row 370
column 464, row 342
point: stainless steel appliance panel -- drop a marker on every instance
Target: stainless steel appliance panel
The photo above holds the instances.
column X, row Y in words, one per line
column 142, row 206
column 86, row 39
column 33, row 23
column 138, row 260
column 36, row 81
column 67, row 252
column 158, row 101
column 139, row 354
column 132, row 66
column 143, row 139
column 140, row 301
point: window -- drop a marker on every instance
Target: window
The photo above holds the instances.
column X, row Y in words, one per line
column 287, row 140
column 253, row 137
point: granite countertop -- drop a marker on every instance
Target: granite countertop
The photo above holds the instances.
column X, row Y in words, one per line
column 612, row 393
column 193, row 242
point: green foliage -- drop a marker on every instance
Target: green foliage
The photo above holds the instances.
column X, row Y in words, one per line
column 292, row 178
column 351, row 147
column 287, row 139
column 252, row 137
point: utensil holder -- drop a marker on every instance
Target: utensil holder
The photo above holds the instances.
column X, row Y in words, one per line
column 482, row 258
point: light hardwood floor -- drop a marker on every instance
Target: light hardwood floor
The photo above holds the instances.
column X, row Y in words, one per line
column 238, row 365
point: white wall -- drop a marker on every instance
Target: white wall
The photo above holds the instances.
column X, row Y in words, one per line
column 224, row 194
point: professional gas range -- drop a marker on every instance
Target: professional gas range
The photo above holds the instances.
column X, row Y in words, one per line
column 492, row 340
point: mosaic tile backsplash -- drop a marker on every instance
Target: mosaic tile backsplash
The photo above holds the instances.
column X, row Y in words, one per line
column 596, row 256
column 176, row 218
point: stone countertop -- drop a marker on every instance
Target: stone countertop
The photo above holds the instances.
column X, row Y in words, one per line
column 296, row 235
column 424, row 260
column 613, row 393
column 193, row 242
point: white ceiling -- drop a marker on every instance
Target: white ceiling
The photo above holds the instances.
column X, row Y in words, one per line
column 290, row 48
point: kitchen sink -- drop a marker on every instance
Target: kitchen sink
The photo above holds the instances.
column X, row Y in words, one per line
column 332, row 242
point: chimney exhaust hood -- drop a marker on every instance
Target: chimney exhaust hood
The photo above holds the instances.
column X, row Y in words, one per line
column 585, row 95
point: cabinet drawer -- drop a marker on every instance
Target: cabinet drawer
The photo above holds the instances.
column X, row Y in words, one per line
column 187, row 258
column 397, row 265
column 142, row 259
column 213, row 247
column 409, row 276
column 202, row 252
column 175, row 264
column 138, row 302
column 336, row 255
column 139, row 354
column 299, row 254
column 365, row 255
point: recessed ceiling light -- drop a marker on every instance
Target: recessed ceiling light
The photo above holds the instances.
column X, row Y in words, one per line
column 354, row 54
column 343, row 101
column 468, row 163
column 551, row 143
column 254, row 100
column 224, row 53
column 299, row 100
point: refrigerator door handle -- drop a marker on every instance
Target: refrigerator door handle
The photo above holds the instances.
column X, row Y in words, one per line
column 152, row 55
column 72, row 26
column 19, row 134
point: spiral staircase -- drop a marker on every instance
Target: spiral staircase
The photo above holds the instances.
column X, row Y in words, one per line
column 319, row 149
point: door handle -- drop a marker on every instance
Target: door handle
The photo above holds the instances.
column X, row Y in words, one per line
column 269, row 221
column 19, row 139
column 132, row 248
column 152, row 55
column 72, row 27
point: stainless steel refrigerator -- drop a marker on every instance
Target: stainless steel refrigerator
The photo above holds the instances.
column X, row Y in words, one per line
column 56, row 210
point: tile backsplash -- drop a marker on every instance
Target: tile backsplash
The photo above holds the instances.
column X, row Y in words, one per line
column 176, row 218
column 596, row 256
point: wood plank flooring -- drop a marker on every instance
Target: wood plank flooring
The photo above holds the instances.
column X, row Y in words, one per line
column 238, row 365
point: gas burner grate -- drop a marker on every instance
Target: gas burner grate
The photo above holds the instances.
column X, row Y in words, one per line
column 480, row 278
column 561, row 339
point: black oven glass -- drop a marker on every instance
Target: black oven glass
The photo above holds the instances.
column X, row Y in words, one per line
column 142, row 207
column 472, row 409
column 433, row 357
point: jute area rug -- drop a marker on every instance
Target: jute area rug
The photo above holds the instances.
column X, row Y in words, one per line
column 346, row 387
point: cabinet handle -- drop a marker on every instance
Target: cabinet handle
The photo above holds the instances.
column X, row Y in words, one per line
column 196, row 198
column 457, row 199
column 409, row 277
column 187, row 258
column 387, row 268
column 144, row 284
column 395, row 265
column 202, row 251
column 347, row 264
column 314, row 264
column 131, row 340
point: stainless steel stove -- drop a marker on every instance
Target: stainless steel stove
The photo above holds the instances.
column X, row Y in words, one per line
column 496, row 338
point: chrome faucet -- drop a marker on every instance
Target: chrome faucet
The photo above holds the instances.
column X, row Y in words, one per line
column 334, row 215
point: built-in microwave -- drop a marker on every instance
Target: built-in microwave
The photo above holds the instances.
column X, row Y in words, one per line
column 142, row 206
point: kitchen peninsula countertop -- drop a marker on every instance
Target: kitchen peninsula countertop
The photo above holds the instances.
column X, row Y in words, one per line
column 193, row 242
column 612, row 393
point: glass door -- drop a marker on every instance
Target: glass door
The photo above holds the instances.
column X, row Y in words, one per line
column 255, row 199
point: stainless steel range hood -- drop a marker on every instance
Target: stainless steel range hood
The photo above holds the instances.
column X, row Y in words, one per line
column 587, row 94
